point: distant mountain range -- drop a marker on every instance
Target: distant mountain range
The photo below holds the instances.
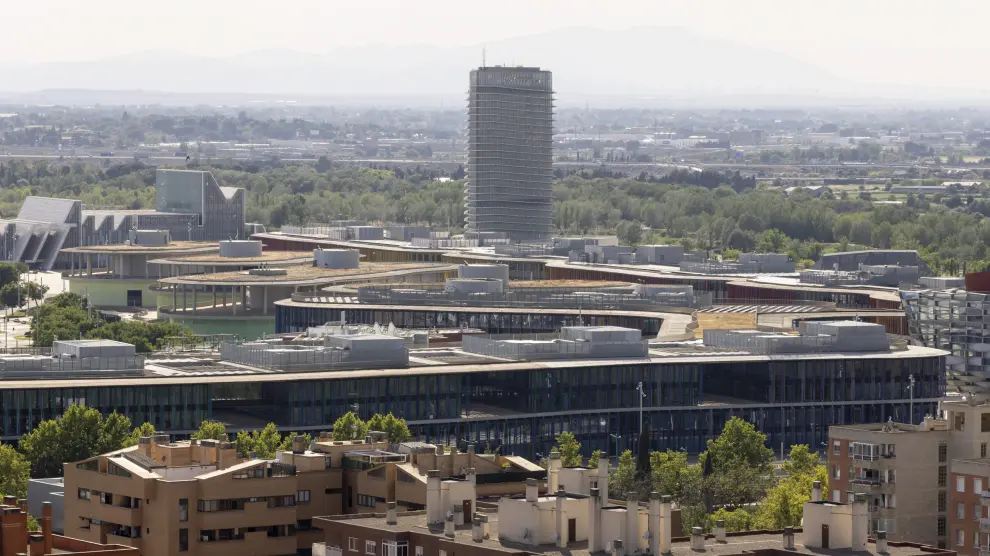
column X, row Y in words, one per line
column 641, row 65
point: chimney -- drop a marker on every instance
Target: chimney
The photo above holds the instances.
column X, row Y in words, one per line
column 860, row 523
column 561, row 519
column 816, row 491
column 595, row 522
column 532, row 491
column 448, row 527
column 882, row 542
column 485, row 528
column 23, row 504
column 666, row 521
column 471, row 475
column 299, row 444
column 697, row 539
column 553, row 471
column 144, row 445
column 653, row 525
column 632, row 522
column 719, row 530
column 617, row 548
column 476, row 532
column 788, row 538
column 471, row 448
column 9, row 500
column 324, row 435
column 434, row 507
column 391, row 518
column 46, row 525
column 603, row 478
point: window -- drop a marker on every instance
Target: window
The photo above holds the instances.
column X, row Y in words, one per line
column 960, row 510
column 369, row 501
column 83, row 494
column 941, row 501
column 369, row 547
column 393, row 548
column 352, row 544
column 836, row 448
column 977, row 512
column 940, row 528
column 976, row 539
column 302, row 497
column 960, row 483
column 106, row 498
column 960, row 538
column 836, row 496
column 836, row 474
column 281, row 501
column 977, row 485
column 442, row 553
column 983, row 450
column 941, row 476
column 891, row 476
column 183, row 540
column 183, row 509
column 419, row 551
column 943, row 451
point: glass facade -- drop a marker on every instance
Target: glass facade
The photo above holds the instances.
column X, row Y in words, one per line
column 521, row 410
column 291, row 318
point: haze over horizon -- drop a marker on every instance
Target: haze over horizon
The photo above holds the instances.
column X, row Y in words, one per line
column 879, row 49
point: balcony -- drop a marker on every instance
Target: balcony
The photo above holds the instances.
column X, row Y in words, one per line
column 985, row 525
column 985, row 494
column 868, row 481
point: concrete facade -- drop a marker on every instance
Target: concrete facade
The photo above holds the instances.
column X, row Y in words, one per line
column 510, row 153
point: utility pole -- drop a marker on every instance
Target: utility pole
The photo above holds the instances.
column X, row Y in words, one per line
column 911, row 404
column 642, row 395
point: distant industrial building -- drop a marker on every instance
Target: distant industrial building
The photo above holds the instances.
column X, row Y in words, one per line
column 190, row 206
column 510, row 153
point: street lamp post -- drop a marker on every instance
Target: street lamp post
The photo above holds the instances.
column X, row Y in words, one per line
column 642, row 394
column 911, row 403
column 616, row 437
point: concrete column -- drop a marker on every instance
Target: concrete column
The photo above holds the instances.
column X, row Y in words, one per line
column 434, row 511
column 654, row 524
column 632, row 523
column 175, row 297
column 595, row 543
column 185, row 303
column 194, row 300
column 264, row 300
column 603, row 478
column 553, row 472
column 244, row 304
column 72, row 264
column 561, row 520
column 89, row 264
column 666, row 517
column 214, row 288
column 233, row 300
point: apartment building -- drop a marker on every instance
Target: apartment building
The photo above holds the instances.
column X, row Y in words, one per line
column 201, row 497
column 16, row 540
column 926, row 483
column 567, row 524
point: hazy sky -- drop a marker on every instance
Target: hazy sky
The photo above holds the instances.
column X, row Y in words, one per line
column 896, row 41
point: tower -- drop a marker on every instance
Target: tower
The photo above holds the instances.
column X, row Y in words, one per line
column 510, row 153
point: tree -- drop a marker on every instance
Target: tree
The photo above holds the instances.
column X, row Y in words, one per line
column 593, row 459
column 11, row 272
column 735, row 520
column 569, row 449
column 14, row 472
column 629, row 233
column 395, row 428
column 771, row 241
column 211, row 430
column 349, row 427
column 623, row 479
column 287, row 441
column 145, row 429
column 782, row 507
column 801, row 461
column 669, row 472
column 740, row 442
column 263, row 443
column 115, row 432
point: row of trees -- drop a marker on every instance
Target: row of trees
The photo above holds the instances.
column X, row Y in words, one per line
column 733, row 480
column 67, row 316
column 83, row 432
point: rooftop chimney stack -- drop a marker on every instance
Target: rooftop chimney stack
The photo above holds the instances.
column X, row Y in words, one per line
column 632, row 522
column 532, row 490
column 391, row 516
column 882, row 542
column 448, row 527
column 816, row 491
column 653, row 525
column 46, row 525
column 617, row 548
column 553, row 470
column 719, row 530
column 298, row 444
column 595, row 522
column 485, row 527
column 860, row 523
column 666, row 517
column 788, row 538
column 603, row 478
column 476, row 534
column 561, row 519
column 434, row 511
column 697, row 539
